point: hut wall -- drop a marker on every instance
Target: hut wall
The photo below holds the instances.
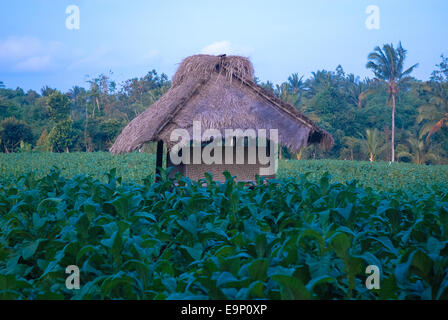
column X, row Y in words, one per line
column 243, row 172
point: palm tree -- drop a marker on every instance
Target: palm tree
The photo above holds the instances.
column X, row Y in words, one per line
column 296, row 82
column 351, row 144
column 419, row 152
column 284, row 92
column 372, row 143
column 387, row 65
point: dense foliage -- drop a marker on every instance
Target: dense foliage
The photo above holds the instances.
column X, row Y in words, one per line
column 98, row 113
column 341, row 103
column 288, row 239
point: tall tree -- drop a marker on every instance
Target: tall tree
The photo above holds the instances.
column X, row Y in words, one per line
column 12, row 132
column 388, row 66
column 79, row 98
column 62, row 136
column 58, row 106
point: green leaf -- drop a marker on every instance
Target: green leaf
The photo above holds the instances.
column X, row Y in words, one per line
column 84, row 250
column 146, row 215
column 119, row 281
column 47, row 204
column 423, row 263
column 225, row 278
column 341, row 243
column 434, row 246
column 345, row 212
column 318, row 281
column 38, row 222
column 29, row 250
column 313, row 234
column 417, row 261
column 110, row 241
column 194, row 253
column 256, row 290
column 190, row 225
column 10, row 282
column 292, row 288
column 388, row 288
column 52, row 266
column 443, row 289
column 258, row 269
column 279, row 270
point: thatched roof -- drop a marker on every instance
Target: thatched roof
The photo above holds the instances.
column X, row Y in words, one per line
column 220, row 93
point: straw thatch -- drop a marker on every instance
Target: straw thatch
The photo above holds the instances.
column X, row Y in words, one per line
column 220, row 93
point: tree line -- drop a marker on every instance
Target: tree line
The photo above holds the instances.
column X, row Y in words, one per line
column 391, row 116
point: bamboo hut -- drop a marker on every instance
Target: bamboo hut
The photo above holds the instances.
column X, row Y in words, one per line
column 219, row 92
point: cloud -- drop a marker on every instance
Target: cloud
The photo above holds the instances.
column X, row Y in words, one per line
column 27, row 53
column 97, row 58
column 226, row 47
column 104, row 57
column 34, row 64
column 13, row 48
column 30, row 54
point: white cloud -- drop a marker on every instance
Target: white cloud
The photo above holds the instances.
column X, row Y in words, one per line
column 31, row 54
column 104, row 57
column 27, row 53
column 226, row 47
column 97, row 57
column 34, row 64
column 13, row 48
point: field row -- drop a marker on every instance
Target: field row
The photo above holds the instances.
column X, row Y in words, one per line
column 135, row 167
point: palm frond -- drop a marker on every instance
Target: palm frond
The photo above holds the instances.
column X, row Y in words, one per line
column 442, row 122
column 409, row 70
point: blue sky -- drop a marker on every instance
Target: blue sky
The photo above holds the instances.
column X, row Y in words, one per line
column 280, row 37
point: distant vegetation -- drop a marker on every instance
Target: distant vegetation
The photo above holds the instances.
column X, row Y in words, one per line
column 357, row 112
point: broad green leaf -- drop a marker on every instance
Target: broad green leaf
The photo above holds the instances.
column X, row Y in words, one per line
column 341, row 243
column 29, row 250
column 292, row 288
column 258, row 269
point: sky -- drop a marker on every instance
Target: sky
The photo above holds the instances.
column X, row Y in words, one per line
column 41, row 44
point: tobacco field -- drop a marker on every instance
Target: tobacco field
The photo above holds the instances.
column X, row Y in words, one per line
column 310, row 234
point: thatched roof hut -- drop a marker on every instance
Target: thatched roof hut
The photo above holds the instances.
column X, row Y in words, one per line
column 220, row 92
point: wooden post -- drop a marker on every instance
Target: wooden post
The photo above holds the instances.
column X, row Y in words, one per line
column 168, row 160
column 159, row 159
